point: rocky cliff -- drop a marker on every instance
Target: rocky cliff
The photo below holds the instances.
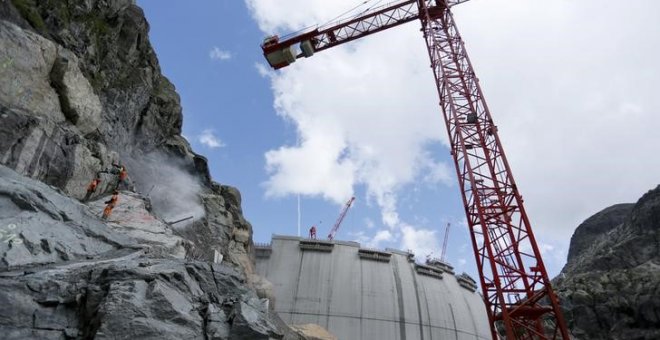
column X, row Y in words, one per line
column 610, row 286
column 81, row 89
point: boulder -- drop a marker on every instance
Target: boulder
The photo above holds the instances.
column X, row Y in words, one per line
column 312, row 331
column 26, row 60
column 249, row 321
column 78, row 102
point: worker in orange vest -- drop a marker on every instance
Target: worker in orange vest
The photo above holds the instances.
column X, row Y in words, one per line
column 122, row 177
column 110, row 204
column 312, row 232
column 91, row 188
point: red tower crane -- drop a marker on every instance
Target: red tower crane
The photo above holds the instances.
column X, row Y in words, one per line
column 335, row 227
column 519, row 298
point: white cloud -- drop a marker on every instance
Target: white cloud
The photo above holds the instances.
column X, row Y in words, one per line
column 217, row 54
column 437, row 172
column 573, row 96
column 346, row 140
column 380, row 237
column 420, row 241
column 314, row 168
column 208, row 138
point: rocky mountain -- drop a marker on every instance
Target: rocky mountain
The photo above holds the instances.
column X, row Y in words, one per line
column 610, row 286
column 81, row 90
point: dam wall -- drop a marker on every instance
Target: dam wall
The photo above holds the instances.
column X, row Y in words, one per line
column 359, row 293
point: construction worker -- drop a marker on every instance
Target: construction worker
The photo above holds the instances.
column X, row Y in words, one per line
column 110, row 204
column 122, row 177
column 312, row 232
column 91, row 188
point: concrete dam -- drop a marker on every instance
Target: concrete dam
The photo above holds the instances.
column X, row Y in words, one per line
column 358, row 293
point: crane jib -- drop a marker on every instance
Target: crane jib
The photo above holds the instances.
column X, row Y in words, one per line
column 283, row 53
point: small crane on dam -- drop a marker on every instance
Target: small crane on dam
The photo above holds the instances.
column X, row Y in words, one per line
column 340, row 219
column 519, row 298
column 444, row 243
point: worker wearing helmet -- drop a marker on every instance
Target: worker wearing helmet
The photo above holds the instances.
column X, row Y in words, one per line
column 110, row 204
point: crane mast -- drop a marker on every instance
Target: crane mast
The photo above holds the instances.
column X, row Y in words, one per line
column 340, row 219
column 519, row 298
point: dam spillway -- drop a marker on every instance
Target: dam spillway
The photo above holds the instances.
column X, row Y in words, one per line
column 358, row 293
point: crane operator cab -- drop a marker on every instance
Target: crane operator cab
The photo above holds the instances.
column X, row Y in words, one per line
column 280, row 55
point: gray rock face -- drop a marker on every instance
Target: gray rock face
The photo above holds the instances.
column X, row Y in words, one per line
column 610, row 287
column 131, row 299
column 593, row 229
column 597, row 225
column 66, row 274
column 41, row 226
column 224, row 229
column 46, row 109
column 84, row 82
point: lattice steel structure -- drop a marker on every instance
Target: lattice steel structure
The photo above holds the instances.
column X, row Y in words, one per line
column 340, row 219
column 519, row 298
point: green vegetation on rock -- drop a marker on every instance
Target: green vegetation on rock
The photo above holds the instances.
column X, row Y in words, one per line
column 29, row 12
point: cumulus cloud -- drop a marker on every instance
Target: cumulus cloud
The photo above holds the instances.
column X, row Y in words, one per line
column 208, row 138
column 420, row 241
column 217, row 54
column 380, row 237
column 437, row 172
column 576, row 107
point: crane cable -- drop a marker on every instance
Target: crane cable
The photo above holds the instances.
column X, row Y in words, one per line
column 339, row 18
column 327, row 22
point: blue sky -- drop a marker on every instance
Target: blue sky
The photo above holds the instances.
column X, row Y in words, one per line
column 361, row 119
